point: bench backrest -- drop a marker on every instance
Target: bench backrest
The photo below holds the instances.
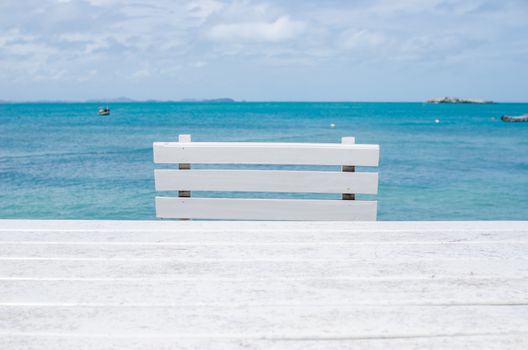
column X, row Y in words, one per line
column 348, row 182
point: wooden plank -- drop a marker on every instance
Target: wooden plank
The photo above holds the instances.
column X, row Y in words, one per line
column 175, row 269
column 266, row 181
column 265, row 209
column 336, row 250
column 265, row 285
column 420, row 228
column 48, row 341
column 266, row 153
column 192, row 235
column 296, row 321
column 322, row 291
column 227, row 232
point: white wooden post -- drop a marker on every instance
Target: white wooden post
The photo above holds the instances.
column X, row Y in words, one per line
column 184, row 166
column 348, row 168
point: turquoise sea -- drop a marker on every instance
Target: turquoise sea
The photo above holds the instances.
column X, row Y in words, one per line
column 63, row 161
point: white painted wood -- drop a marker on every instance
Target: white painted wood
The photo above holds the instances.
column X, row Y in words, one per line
column 266, row 181
column 228, row 232
column 460, row 230
column 348, row 195
column 348, row 140
column 266, row 153
column 265, row 209
column 256, row 321
column 186, row 152
column 238, row 268
column 248, row 291
column 263, row 285
column 184, row 192
column 47, row 341
column 336, row 250
column 184, row 138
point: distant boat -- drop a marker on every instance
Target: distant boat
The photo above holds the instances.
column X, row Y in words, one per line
column 104, row 111
column 520, row 118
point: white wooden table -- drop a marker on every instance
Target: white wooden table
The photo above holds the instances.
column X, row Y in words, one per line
column 263, row 285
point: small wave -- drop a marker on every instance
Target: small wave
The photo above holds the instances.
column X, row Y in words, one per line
column 74, row 154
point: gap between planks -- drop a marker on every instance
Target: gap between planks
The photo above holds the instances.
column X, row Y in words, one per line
column 421, row 303
column 260, row 279
column 250, row 244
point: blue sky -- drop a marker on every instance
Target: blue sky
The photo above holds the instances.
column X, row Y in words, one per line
column 379, row 50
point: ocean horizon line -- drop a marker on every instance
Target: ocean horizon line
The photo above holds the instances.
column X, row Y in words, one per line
column 219, row 101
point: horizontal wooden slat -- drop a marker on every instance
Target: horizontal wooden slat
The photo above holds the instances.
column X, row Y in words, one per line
column 296, row 321
column 266, row 181
column 458, row 228
column 266, row 153
column 265, row 235
column 262, row 250
column 54, row 341
column 266, row 292
column 167, row 269
column 265, row 209
column 229, row 232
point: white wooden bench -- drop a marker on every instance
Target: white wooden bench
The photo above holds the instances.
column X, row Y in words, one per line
column 347, row 182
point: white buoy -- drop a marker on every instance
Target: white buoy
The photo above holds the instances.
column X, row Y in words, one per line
column 437, row 121
column 332, row 125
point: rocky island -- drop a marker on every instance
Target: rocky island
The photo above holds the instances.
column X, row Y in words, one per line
column 457, row 100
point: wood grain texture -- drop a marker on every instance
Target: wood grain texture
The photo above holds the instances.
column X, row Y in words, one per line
column 266, row 181
column 40, row 341
column 266, row 153
column 265, row 209
column 329, row 250
column 272, row 291
column 255, row 321
column 263, row 285
column 237, row 268
column 184, row 153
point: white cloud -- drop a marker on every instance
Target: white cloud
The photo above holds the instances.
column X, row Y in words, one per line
column 165, row 40
column 198, row 64
column 352, row 39
column 101, row 2
column 202, row 9
column 91, row 42
column 281, row 29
